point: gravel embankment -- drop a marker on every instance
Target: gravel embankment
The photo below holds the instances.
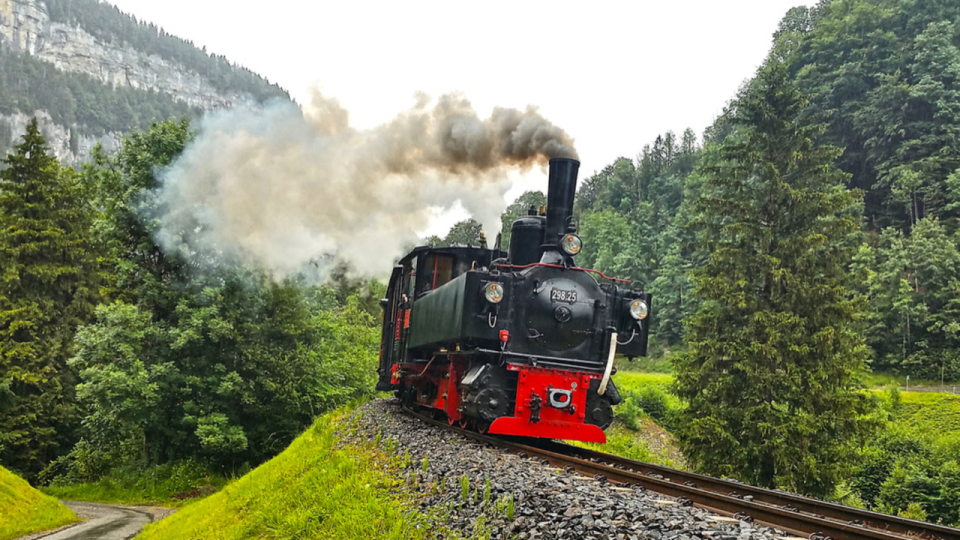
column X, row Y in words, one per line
column 549, row 503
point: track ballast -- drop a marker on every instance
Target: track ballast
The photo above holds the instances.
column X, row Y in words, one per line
column 796, row 514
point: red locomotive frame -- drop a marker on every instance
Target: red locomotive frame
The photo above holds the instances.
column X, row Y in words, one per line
column 533, row 414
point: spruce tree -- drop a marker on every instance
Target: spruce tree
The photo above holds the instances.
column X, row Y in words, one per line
column 47, row 288
column 771, row 372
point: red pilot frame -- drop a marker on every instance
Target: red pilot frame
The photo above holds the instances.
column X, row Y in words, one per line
column 551, row 404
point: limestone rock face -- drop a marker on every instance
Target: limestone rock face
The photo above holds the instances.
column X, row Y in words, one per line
column 68, row 147
column 26, row 28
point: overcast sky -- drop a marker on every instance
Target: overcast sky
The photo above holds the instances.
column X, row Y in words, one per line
column 612, row 74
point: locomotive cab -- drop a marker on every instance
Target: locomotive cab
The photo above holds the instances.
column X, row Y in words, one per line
column 520, row 343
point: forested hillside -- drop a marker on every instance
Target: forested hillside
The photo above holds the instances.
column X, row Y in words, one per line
column 115, row 354
column 78, row 100
column 883, row 77
column 91, row 73
column 110, row 25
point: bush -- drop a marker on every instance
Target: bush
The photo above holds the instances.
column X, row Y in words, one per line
column 627, row 412
column 133, row 484
column 907, row 469
column 658, row 403
column 914, row 511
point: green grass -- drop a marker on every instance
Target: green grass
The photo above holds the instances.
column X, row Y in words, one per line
column 624, row 443
column 24, row 510
column 875, row 380
column 166, row 485
column 645, row 365
column 313, row 490
column 631, row 380
column 930, row 412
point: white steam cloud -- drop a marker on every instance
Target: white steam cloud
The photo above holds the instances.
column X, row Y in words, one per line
column 283, row 187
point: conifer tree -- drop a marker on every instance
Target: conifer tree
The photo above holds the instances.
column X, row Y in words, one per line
column 770, row 376
column 47, row 288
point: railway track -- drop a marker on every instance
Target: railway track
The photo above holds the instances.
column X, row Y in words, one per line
column 802, row 516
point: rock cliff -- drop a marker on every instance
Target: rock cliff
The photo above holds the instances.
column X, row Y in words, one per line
column 26, row 28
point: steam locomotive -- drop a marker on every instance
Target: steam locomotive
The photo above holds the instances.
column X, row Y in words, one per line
column 513, row 343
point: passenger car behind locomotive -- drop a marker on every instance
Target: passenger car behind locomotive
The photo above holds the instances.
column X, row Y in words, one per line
column 519, row 343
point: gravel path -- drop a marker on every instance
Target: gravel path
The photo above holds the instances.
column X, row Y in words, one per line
column 549, row 503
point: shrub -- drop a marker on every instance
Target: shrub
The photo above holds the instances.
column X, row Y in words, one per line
column 628, row 412
column 913, row 511
column 134, row 484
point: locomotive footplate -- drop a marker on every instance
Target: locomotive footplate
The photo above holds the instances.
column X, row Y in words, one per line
column 552, row 404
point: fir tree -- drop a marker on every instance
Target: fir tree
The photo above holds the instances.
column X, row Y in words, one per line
column 770, row 376
column 47, row 288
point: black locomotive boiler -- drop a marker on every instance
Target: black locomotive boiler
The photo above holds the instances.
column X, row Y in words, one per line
column 518, row 343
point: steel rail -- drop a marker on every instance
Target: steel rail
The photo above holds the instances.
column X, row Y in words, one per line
column 890, row 523
column 780, row 510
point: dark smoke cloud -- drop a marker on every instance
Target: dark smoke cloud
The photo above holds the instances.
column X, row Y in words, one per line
column 282, row 187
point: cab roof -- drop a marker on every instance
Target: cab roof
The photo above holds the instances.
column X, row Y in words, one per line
column 459, row 251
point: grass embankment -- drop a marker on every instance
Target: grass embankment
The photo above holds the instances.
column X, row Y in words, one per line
column 638, row 430
column 311, row 490
column 24, row 510
column 164, row 485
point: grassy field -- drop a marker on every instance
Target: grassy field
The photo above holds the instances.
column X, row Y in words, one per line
column 632, row 380
column 929, row 412
column 24, row 510
column 874, row 380
column 313, row 490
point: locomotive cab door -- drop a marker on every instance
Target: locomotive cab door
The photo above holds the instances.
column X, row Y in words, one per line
column 388, row 340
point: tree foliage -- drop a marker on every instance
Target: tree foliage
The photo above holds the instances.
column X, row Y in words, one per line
column 770, row 376
column 199, row 358
column 463, row 233
column 80, row 101
column 633, row 218
column 48, row 287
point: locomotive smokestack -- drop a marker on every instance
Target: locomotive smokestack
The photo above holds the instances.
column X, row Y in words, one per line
column 561, row 190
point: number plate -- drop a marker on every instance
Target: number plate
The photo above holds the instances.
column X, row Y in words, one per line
column 560, row 295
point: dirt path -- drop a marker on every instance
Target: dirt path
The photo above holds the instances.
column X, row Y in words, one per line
column 105, row 522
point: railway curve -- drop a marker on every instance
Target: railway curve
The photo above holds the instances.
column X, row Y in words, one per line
column 802, row 516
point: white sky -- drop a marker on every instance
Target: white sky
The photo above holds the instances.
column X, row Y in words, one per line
column 612, row 74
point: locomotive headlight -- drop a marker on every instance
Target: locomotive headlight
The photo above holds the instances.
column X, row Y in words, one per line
column 638, row 310
column 571, row 244
column 493, row 292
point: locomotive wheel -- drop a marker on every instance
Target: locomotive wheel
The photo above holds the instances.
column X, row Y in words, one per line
column 407, row 396
column 492, row 403
column 599, row 412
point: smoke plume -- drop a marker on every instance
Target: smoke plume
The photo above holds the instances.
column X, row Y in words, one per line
column 283, row 187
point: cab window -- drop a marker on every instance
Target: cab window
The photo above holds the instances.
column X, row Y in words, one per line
column 436, row 271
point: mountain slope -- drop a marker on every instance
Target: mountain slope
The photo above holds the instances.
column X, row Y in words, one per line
column 91, row 73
